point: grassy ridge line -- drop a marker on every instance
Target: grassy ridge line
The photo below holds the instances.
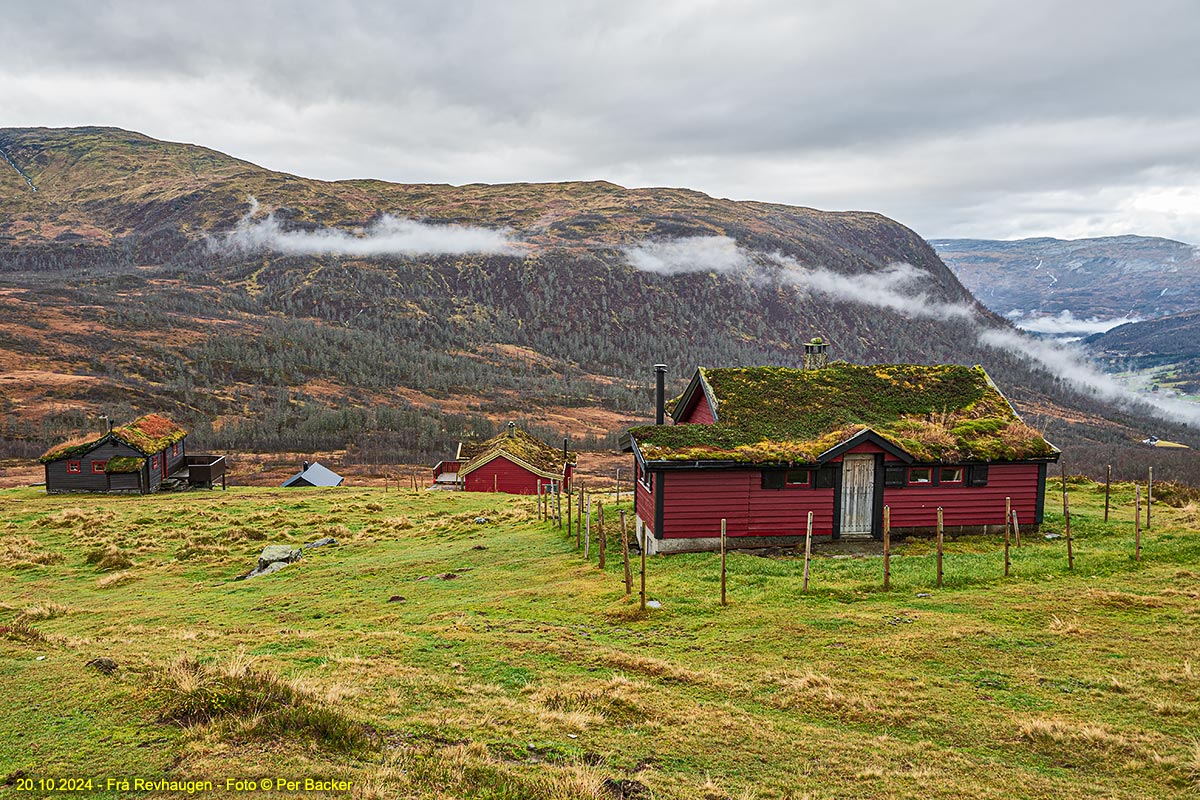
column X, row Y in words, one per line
column 1045, row 684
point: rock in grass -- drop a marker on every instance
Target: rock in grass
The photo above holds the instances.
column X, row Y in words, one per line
column 321, row 542
column 273, row 558
column 1052, row 536
column 105, row 665
column 276, row 554
column 396, row 599
column 481, row 520
column 626, row 789
column 653, row 604
column 448, row 576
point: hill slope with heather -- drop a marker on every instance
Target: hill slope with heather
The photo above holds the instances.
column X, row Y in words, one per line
column 119, row 295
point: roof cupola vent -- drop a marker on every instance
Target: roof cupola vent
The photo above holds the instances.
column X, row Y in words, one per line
column 816, row 354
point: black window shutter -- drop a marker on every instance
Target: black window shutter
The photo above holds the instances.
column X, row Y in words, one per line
column 826, row 477
column 895, row 475
column 773, row 478
column 977, row 475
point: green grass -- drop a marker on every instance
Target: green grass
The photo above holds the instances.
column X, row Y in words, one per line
column 531, row 675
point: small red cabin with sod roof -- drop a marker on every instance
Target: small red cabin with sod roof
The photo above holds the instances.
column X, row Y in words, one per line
column 514, row 462
column 763, row 446
column 137, row 457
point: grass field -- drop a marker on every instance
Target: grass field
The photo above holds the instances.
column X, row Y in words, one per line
column 531, row 675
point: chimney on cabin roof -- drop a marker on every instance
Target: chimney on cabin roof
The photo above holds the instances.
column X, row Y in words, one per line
column 816, row 354
column 512, row 430
column 660, row 393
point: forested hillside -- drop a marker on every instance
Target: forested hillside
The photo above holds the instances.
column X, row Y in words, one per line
column 120, row 294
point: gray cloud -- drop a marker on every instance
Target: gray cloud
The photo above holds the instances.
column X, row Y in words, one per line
column 388, row 236
column 719, row 254
column 893, row 288
column 1066, row 324
column 984, row 118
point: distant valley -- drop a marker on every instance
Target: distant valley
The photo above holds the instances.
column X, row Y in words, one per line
column 1132, row 301
column 1077, row 287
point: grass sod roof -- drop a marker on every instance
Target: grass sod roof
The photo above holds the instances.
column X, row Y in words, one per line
column 528, row 448
column 943, row 413
column 123, row 465
column 147, row 434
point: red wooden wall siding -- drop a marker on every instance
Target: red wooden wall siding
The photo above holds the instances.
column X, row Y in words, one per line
column 867, row 447
column 644, row 500
column 697, row 501
column 505, row 476
column 700, row 412
column 916, row 506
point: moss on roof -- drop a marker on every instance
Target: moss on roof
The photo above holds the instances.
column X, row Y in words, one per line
column 123, row 464
column 147, row 434
column 521, row 445
column 777, row 414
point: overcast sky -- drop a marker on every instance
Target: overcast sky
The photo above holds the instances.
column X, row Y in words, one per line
column 958, row 118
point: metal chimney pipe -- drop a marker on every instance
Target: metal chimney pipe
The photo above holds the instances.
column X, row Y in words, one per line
column 660, row 393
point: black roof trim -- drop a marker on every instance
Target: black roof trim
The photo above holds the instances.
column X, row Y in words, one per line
column 685, row 399
column 862, row 437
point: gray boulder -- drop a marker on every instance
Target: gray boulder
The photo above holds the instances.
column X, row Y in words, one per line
column 273, row 558
column 278, row 553
column 321, row 542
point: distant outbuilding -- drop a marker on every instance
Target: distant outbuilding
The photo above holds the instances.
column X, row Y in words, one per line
column 514, row 462
column 138, row 457
column 313, row 475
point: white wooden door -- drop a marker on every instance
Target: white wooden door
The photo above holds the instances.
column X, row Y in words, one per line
column 858, row 495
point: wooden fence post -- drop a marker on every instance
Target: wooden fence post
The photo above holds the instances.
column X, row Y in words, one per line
column 570, row 522
column 1016, row 525
column 939, row 547
column 887, row 548
column 587, row 533
column 1062, row 465
column 602, row 540
column 625, row 555
column 1137, row 523
column 1149, row 496
column 579, row 519
column 1070, row 551
column 1016, row 530
column 558, row 506
column 723, row 561
column 645, row 546
column 807, row 549
column 618, row 486
column 1007, row 532
column 1107, row 487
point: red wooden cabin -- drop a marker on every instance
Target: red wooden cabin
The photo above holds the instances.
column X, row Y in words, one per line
column 514, row 462
column 763, row 446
